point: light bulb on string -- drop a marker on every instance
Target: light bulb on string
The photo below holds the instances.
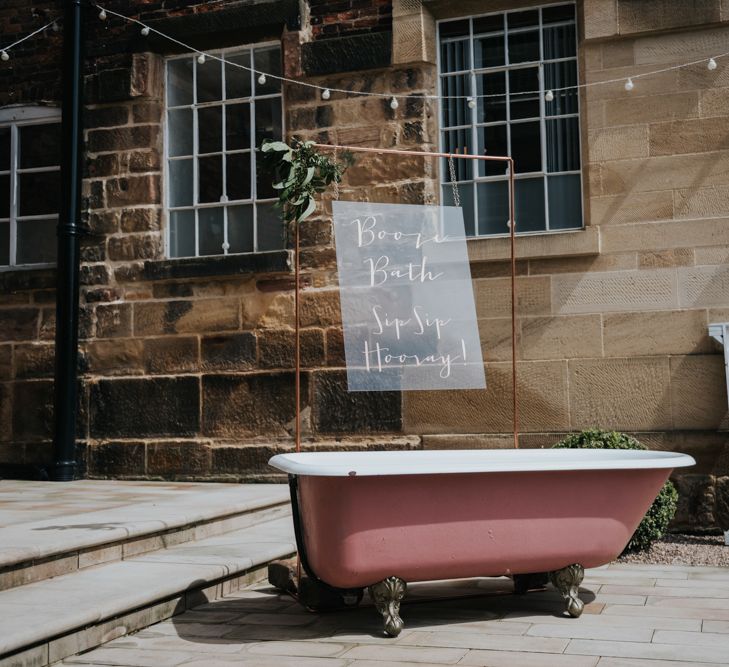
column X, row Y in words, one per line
column 55, row 27
column 711, row 65
column 549, row 96
column 629, row 85
column 394, row 104
column 471, row 103
column 201, row 59
column 102, row 15
column 262, row 79
column 4, row 55
column 326, row 94
column 145, row 31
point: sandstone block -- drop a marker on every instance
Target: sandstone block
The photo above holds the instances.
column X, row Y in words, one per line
column 696, row 501
column 620, row 394
column 6, row 423
column 495, row 335
column 664, row 259
column 614, row 291
column 277, row 348
column 320, row 308
column 244, row 462
column 697, row 203
column 103, row 222
column 130, row 190
column 338, row 411
column 228, row 352
column 119, row 356
column 18, row 323
column 542, row 393
column 6, row 362
column 665, row 235
column 718, row 255
column 568, row 337
column 651, row 15
column 698, row 392
column 139, row 220
column 193, row 316
column 170, row 355
column 109, row 116
column 135, row 247
column 145, row 407
column 117, row 459
column 267, row 310
column 114, row 320
column 633, row 207
column 703, row 286
column 652, row 109
column 249, row 405
column 602, row 262
column 493, row 296
column 655, row 333
column 692, row 135
column 34, row 360
column 601, row 18
column 32, row 417
column 122, row 138
column 181, row 459
column 335, row 347
column 616, row 143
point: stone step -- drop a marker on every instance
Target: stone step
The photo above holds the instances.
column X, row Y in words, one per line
column 47, row 621
column 92, row 522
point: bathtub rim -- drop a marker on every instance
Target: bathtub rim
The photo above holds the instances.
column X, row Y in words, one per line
column 429, row 462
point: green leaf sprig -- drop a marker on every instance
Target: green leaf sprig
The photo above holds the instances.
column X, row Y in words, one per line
column 299, row 173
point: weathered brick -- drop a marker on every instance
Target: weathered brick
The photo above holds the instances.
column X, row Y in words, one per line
column 335, row 347
column 99, row 166
column 135, row 247
column 140, row 161
column 94, row 274
column 147, row 112
column 178, row 354
column 123, row 138
column 145, row 407
column 34, row 360
column 114, row 321
column 180, row 459
column 228, row 352
column 493, row 296
column 277, row 348
column 694, row 405
column 18, row 323
column 560, row 337
column 118, row 356
column 320, row 308
column 185, row 316
column 140, row 220
column 103, row 222
column 689, row 136
column 112, row 116
column 34, row 420
column 6, row 362
column 117, row 459
column 133, row 190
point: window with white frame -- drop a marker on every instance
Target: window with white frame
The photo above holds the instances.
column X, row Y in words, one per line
column 218, row 113
column 30, row 185
column 506, row 63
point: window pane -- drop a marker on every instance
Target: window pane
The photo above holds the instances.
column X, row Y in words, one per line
column 465, row 191
column 526, row 147
column 522, row 19
column 529, row 202
column 563, row 145
column 240, row 228
column 210, row 178
column 39, row 193
column 237, row 126
column 491, row 109
column 210, row 224
column 268, row 61
column 455, row 56
column 237, row 80
column 559, row 13
column 458, row 141
column 180, row 132
column 268, row 119
column 36, row 242
column 238, row 170
column 492, row 23
column 181, row 183
column 264, row 182
column 179, row 82
column 270, row 227
column 40, row 145
column 182, row 233
column 489, row 51
column 492, row 141
column 493, row 207
column 209, row 81
column 4, row 243
column 455, row 111
column 4, row 148
column 565, row 202
column 523, row 46
column 454, row 28
column 522, row 96
column 5, row 196
column 210, row 130
column 556, row 76
column 559, row 42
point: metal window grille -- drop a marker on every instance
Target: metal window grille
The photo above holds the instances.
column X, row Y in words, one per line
column 512, row 59
column 217, row 116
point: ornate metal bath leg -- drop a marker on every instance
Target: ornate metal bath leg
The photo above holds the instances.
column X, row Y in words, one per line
column 387, row 595
column 567, row 582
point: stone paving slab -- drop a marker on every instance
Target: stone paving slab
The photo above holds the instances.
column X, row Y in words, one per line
column 473, row 623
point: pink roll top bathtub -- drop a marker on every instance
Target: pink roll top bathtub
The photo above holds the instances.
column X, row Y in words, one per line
column 381, row 519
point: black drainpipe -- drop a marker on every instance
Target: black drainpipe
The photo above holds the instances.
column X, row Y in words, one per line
column 67, row 281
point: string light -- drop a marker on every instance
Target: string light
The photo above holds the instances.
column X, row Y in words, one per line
column 102, row 15
column 5, row 52
column 4, row 55
column 262, row 79
column 471, row 103
column 201, row 59
column 711, row 65
column 145, row 31
column 326, row 94
column 629, row 85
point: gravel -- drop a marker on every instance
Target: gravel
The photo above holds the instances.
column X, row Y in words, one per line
column 678, row 549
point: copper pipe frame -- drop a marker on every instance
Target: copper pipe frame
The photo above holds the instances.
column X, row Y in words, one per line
column 512, row 241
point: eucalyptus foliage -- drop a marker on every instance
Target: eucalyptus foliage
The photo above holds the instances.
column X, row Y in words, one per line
column 656, row 520
column 299, row 173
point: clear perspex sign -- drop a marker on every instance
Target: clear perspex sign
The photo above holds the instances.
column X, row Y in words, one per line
column 407, row 300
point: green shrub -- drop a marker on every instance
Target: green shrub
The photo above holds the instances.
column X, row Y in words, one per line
column 656, row 520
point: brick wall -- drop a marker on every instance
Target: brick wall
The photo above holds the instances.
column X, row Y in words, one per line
column 186, row 367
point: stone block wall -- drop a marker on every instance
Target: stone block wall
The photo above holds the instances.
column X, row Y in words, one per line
column 186, row 365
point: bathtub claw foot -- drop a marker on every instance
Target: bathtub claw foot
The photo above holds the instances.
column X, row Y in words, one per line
column 387, row 595
column 567, row 581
